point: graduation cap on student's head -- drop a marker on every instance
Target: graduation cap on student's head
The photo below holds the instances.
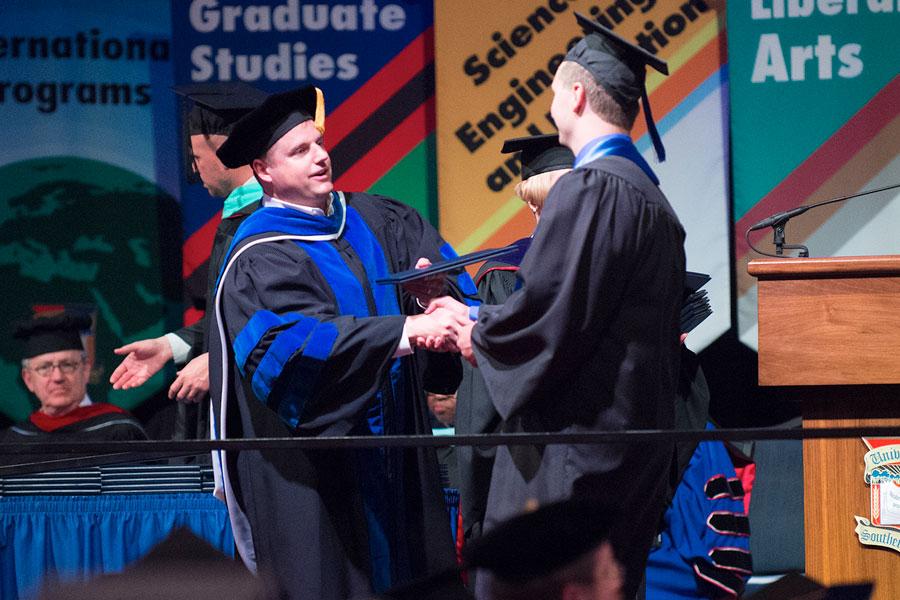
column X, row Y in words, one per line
column 52, row 334
column 216, row 107
column 537, row 543
column 695, row 306
column 619, row 66
column 258, row 130
column 212, row 109
column 539, row 154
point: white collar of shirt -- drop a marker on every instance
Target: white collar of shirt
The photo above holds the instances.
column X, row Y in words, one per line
column 310, row 210
column 85, row 402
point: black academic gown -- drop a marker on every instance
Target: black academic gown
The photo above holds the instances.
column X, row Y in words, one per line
column 475, row 413
column 192, row 419
column 590, row 343
column 303, row 359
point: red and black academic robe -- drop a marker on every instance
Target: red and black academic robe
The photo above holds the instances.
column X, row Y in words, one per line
column 94, row 422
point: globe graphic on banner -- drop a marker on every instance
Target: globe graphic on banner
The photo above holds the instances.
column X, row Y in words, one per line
column 79, row 232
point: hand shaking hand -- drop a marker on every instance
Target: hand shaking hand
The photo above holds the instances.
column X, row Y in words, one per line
column 445, row 327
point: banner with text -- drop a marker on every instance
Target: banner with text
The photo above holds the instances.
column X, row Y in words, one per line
column 373, row 61
column 494, row 70
column 88, row 214
column 815, row 114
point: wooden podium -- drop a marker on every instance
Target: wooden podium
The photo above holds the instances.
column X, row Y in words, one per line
column 831, row 327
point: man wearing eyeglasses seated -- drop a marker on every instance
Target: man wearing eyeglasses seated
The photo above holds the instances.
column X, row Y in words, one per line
column 56, row 369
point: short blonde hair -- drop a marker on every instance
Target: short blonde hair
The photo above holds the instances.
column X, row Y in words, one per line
column 535, row 189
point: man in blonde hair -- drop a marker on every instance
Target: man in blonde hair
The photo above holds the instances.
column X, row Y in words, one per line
column 590, row 340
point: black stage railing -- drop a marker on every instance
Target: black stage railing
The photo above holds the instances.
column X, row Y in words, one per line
column 92, row 453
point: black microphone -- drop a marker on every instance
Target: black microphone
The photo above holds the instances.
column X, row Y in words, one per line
column 778, row 221
column 781, row 218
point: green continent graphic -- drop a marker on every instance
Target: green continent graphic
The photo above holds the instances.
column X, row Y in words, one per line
column 75, row 231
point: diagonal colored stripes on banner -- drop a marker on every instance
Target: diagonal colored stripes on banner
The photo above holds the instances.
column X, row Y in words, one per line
column 672, row 91
column 489, row 229
column 389, row 150
column 195, row 250
column 858, row 131
column 380, row 123
column 855, row 174
column 380, row 88
column 679, row 59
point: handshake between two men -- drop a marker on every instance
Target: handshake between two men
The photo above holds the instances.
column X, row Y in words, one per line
column 445, row 325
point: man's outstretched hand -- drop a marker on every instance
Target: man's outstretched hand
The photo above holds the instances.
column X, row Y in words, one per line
column 143, row 360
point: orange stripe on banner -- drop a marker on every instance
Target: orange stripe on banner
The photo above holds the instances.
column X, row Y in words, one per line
column 379, row 88
column 196, row 248
column 520, row 225
column 862, row 168
column 390, row 150
column 673, row 90
column 803, row 181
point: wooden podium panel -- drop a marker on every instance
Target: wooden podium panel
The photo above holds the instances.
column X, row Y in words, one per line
column 828, row 321
column 831, row 327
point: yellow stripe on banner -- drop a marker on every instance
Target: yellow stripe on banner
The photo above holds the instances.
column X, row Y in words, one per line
column 498, row 219
column 684, row 54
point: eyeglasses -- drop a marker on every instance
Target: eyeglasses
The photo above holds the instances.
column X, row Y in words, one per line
column 67, row 367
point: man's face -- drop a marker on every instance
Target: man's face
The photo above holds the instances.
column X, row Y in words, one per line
column 562, row 108
column 443, row 407
column 65, row 383
column 297, row 168
column 216, row 177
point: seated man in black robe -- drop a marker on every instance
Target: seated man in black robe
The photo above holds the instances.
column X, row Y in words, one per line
column 304, row 343
column 590, row 340
column 56, row 369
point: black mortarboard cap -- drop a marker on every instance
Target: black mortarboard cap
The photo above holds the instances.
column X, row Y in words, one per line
column 537, row 543
column 212, row 109
column 218, row 106
column 695, row 306
column 52, row 334
column 619, row 66
column 258, row 130
column 539, row 154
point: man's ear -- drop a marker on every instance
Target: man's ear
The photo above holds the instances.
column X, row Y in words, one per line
column 261, row 170
column 27, row 378
column 579, row 95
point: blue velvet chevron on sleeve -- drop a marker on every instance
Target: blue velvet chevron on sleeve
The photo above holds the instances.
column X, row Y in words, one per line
column 266, row 344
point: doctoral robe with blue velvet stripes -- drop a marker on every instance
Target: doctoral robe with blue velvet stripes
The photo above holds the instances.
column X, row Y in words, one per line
column 309, row 344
